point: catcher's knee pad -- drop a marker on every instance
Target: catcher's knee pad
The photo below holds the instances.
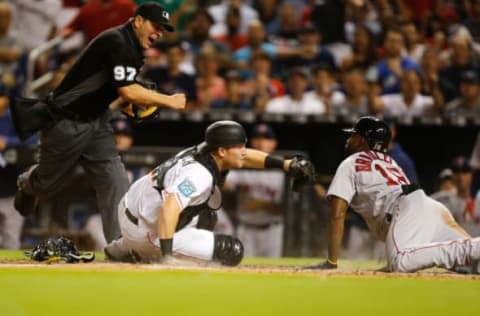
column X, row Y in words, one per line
column 228, row 250
column 207, row 219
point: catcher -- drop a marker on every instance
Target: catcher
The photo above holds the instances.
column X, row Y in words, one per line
column 169, row 214
column 74, row 120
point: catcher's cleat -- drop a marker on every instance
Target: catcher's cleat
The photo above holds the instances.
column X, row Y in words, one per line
column 128, row 256
column 24, row 203
column 326, row 265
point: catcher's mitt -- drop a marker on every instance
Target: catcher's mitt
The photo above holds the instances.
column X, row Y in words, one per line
column 59, row 249
column 302, row 171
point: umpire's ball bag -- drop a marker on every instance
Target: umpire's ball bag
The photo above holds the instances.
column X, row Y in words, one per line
column 30, row 116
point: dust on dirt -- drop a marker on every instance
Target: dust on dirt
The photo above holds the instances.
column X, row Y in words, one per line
column 247, row 269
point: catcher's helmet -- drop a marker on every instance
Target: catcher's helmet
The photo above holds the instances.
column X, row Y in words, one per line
column 376, row 132
column 223, row 134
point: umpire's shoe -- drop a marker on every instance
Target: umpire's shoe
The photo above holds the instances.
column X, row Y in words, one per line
column 24, row 203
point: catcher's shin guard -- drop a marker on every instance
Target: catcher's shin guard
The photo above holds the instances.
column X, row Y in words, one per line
column 228, row 250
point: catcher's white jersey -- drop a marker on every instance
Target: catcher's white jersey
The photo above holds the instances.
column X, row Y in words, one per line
column 191, row 183
column 187, row 179
column 370, row 182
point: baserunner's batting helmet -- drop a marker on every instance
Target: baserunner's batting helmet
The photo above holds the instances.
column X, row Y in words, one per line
column 376, row 132
column 223, row 134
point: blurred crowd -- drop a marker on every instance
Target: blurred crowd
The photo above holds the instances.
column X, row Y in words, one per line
column 392, row 58
column 395, row 59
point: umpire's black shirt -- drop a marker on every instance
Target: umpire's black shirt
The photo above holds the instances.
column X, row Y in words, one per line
column 116, row 51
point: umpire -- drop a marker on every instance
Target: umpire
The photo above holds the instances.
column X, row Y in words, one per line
column 105, row 71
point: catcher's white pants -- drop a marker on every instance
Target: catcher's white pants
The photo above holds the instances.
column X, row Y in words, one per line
column 424, row 234
column 189, row 241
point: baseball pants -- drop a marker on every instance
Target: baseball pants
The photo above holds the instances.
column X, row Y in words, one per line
column 423, row 234
column 92, row 145
column 189, row 242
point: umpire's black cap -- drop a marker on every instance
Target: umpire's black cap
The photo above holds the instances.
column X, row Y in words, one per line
column 156, row 13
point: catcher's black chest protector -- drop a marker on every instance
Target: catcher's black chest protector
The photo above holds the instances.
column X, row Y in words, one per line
column 205, row 160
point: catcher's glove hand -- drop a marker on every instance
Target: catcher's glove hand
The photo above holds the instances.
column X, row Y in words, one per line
column 326, row 265
column 59, row 249
column 302, row 171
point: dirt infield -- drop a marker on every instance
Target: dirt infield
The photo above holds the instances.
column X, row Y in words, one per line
column 247, row 269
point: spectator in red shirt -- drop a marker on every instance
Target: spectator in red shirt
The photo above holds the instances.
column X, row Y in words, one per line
column 98, row 15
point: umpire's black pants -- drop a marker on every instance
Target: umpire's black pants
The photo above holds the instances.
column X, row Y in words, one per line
column 92, row 145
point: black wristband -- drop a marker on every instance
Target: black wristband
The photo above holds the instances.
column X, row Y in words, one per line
column 274, row 162
column 166, row 246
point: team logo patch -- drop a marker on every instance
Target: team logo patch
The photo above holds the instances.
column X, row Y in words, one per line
column 166, row 15
column 186, row 188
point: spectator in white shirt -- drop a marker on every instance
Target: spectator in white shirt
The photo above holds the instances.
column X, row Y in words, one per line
column 325, row 93
column 295, row 101
column 409, row 102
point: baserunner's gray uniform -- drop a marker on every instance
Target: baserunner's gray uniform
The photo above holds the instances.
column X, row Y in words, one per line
column 419, row 232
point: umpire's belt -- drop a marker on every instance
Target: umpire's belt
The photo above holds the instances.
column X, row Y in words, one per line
column 132, row 218
column 409, row 188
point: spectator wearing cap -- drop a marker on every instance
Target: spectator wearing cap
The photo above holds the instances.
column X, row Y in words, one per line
column 460, row 57
column 460, row 202
column 468, row 104
column 123, row 134
column 236, row 98
column 170, row 79
column 310, row 51
column 325, row 94
column 295, row 102
column 260, row 196
column 409, row 102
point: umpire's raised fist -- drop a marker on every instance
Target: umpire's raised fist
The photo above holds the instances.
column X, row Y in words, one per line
column 178, row 101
